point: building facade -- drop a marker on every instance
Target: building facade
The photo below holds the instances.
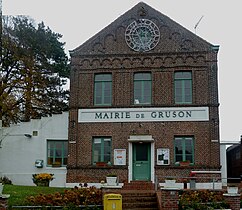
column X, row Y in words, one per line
column 144, row 99
column 37, row 146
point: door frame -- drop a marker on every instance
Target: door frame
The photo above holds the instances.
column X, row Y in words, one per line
column 145, row 139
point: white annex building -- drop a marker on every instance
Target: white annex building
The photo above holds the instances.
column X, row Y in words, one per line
column 38, row 146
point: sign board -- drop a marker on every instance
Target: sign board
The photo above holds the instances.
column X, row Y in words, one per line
column 163, row 156
column 155, row 114
column 120, row 157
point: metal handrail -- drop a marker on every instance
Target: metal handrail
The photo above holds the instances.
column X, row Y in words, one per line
column 214, row 179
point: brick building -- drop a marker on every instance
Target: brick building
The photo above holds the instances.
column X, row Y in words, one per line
column 144, row 98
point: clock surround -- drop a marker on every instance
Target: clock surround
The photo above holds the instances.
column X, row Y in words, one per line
column 142, row 35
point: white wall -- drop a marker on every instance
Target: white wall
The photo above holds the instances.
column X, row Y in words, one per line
column 18, row 153
column 223, row 162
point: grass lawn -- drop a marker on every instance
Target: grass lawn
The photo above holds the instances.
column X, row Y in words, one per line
column 19, row 193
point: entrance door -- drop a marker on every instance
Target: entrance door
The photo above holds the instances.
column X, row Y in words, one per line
column 141, row 161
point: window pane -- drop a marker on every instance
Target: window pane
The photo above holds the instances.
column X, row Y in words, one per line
column 51, row 144
column 178, row 75
column 189, row 157
column 57, row 151
column 178, row 158
column 98, row 89
column 183, row 75
column 50, row 161
column 183, row 87
column 107, row 93
column 184, row 149
column 103, row 89
column 137, row 92
column 178, row 147
column 65, row 161
column 103, row 77
column 178, row 84
column 142, row 76
column 101, row 150
column 65, row 149
column 141, row 152
column 97, row 153
column 187, row 75
column 142, row 88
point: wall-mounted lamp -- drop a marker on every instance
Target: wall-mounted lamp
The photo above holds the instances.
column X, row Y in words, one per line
column 28, row 135
column 5, row 135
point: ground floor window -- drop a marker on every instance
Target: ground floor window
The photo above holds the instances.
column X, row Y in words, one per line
column 101, row 149
column 184, row 149
column 57, row 152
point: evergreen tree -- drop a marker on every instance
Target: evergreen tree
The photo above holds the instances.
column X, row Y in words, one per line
column 34, row 68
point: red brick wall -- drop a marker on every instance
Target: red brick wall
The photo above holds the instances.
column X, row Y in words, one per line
column 169, row 199
column 233, row 201
column 109, row 53
column 206, row 152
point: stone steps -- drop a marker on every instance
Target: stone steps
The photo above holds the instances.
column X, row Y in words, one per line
column 139, row 185
column 139, row 195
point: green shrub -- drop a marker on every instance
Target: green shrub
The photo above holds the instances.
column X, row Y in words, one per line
column 73, row 197
column 5, row 180
column 202, row 199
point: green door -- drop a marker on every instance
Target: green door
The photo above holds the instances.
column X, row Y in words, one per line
column 141, row 161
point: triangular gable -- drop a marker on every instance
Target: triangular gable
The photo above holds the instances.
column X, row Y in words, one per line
column 173, row 36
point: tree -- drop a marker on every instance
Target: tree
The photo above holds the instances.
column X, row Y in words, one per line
column 34, row 68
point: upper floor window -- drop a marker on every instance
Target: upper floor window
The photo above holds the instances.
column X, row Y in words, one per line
column 57, row 152
column 101, row 149
column 184, row 149
column 183, row 87
column 142, row 88
column 103, row 89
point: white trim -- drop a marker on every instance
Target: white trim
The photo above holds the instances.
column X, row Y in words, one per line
column 143, row 138
column 206, row 172
column 130, row 167
column 152, row 162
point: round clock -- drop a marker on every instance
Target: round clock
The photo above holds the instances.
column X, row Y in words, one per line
column 142, row 35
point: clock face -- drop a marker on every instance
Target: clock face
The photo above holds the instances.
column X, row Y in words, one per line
column 142, row 35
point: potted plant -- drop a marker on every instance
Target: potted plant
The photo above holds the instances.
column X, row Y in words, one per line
column 184, row 163
column 111, row 179
column 42, row 179
column 101, row 164
column 170, row 182
column 56, row 164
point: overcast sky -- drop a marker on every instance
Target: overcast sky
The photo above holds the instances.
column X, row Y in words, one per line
column 78, row 20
